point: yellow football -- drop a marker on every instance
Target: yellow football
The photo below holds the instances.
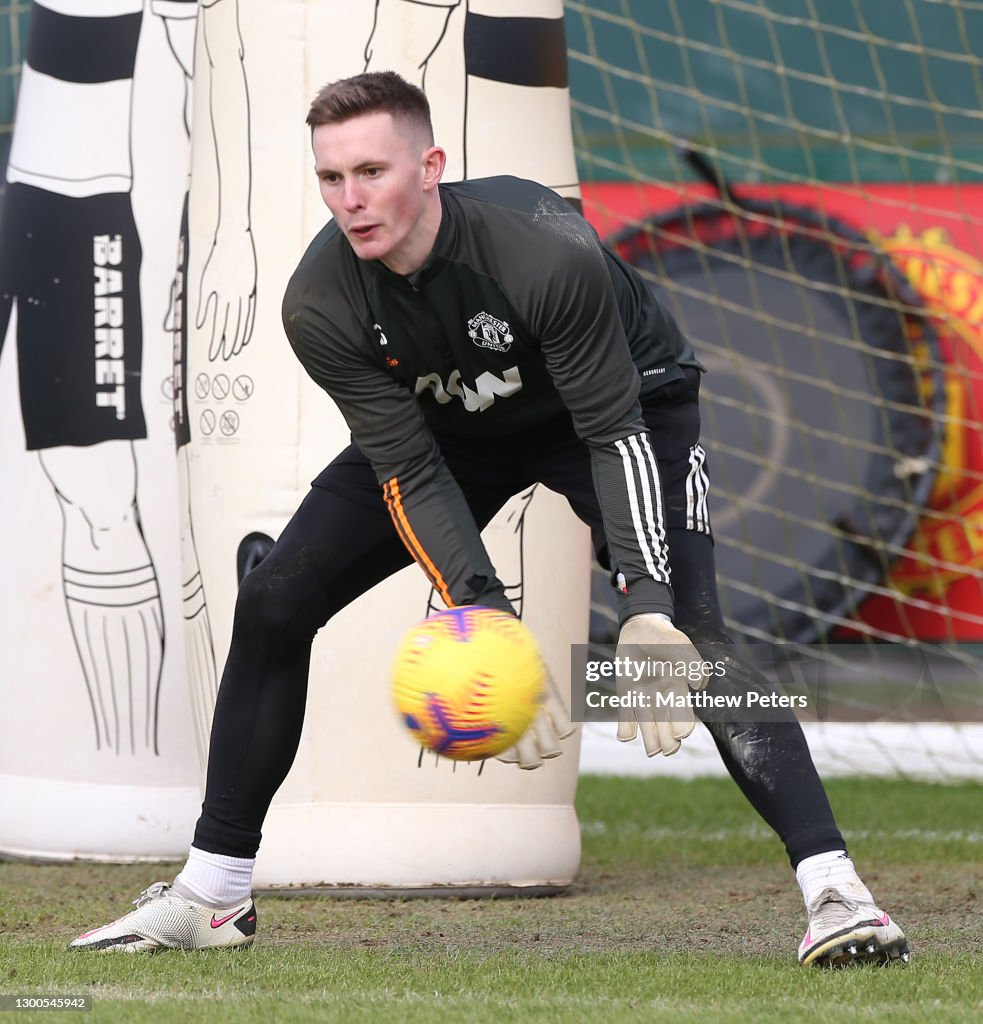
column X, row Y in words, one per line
column 468, row 682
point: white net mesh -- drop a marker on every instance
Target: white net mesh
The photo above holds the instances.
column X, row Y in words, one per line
column 802, row 182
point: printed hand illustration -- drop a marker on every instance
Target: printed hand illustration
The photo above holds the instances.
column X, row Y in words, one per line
column 227, row 296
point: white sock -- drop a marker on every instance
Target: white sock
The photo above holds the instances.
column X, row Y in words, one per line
column 214, row 879
column 825, row 870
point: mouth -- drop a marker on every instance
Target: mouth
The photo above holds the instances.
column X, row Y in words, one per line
column 362, row 231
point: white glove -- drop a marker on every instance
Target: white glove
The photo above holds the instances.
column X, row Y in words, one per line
column 542, row 739
column 645, row 641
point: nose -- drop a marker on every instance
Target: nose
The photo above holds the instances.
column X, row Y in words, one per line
column 352, row 196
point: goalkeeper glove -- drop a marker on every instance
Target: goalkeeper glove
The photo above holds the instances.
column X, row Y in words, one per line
column 542, row 739
column 651, row 642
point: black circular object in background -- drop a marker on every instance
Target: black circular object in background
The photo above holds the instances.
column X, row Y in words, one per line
column 820, row 404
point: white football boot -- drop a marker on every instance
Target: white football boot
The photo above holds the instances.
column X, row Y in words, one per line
column 164, row 920
column 846, row 927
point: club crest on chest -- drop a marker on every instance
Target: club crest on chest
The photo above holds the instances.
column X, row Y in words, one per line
column 487, row 331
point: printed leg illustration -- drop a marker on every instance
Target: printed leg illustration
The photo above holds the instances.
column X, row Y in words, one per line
column 111, row 591
column 202, row 673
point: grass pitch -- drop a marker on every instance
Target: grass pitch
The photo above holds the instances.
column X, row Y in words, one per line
column 684, row 910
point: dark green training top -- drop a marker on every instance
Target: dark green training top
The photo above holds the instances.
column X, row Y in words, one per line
column 518, row 312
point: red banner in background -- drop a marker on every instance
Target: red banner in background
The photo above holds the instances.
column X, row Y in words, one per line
column 934, row 233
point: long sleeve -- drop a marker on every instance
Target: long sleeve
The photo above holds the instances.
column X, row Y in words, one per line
column 427, row 506
column 588, row 358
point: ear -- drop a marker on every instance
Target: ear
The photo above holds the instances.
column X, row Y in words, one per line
column 434, row 162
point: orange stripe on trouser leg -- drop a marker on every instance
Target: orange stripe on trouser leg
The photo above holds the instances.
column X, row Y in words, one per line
column 394, row 501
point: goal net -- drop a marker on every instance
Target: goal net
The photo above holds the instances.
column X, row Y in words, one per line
column 802, row 183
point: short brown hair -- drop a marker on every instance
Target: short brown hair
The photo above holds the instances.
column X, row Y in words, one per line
column 371, row 93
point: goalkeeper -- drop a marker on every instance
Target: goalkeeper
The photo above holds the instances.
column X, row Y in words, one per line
column 478, row 338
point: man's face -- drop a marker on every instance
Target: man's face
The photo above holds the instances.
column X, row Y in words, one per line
column 376, row 175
